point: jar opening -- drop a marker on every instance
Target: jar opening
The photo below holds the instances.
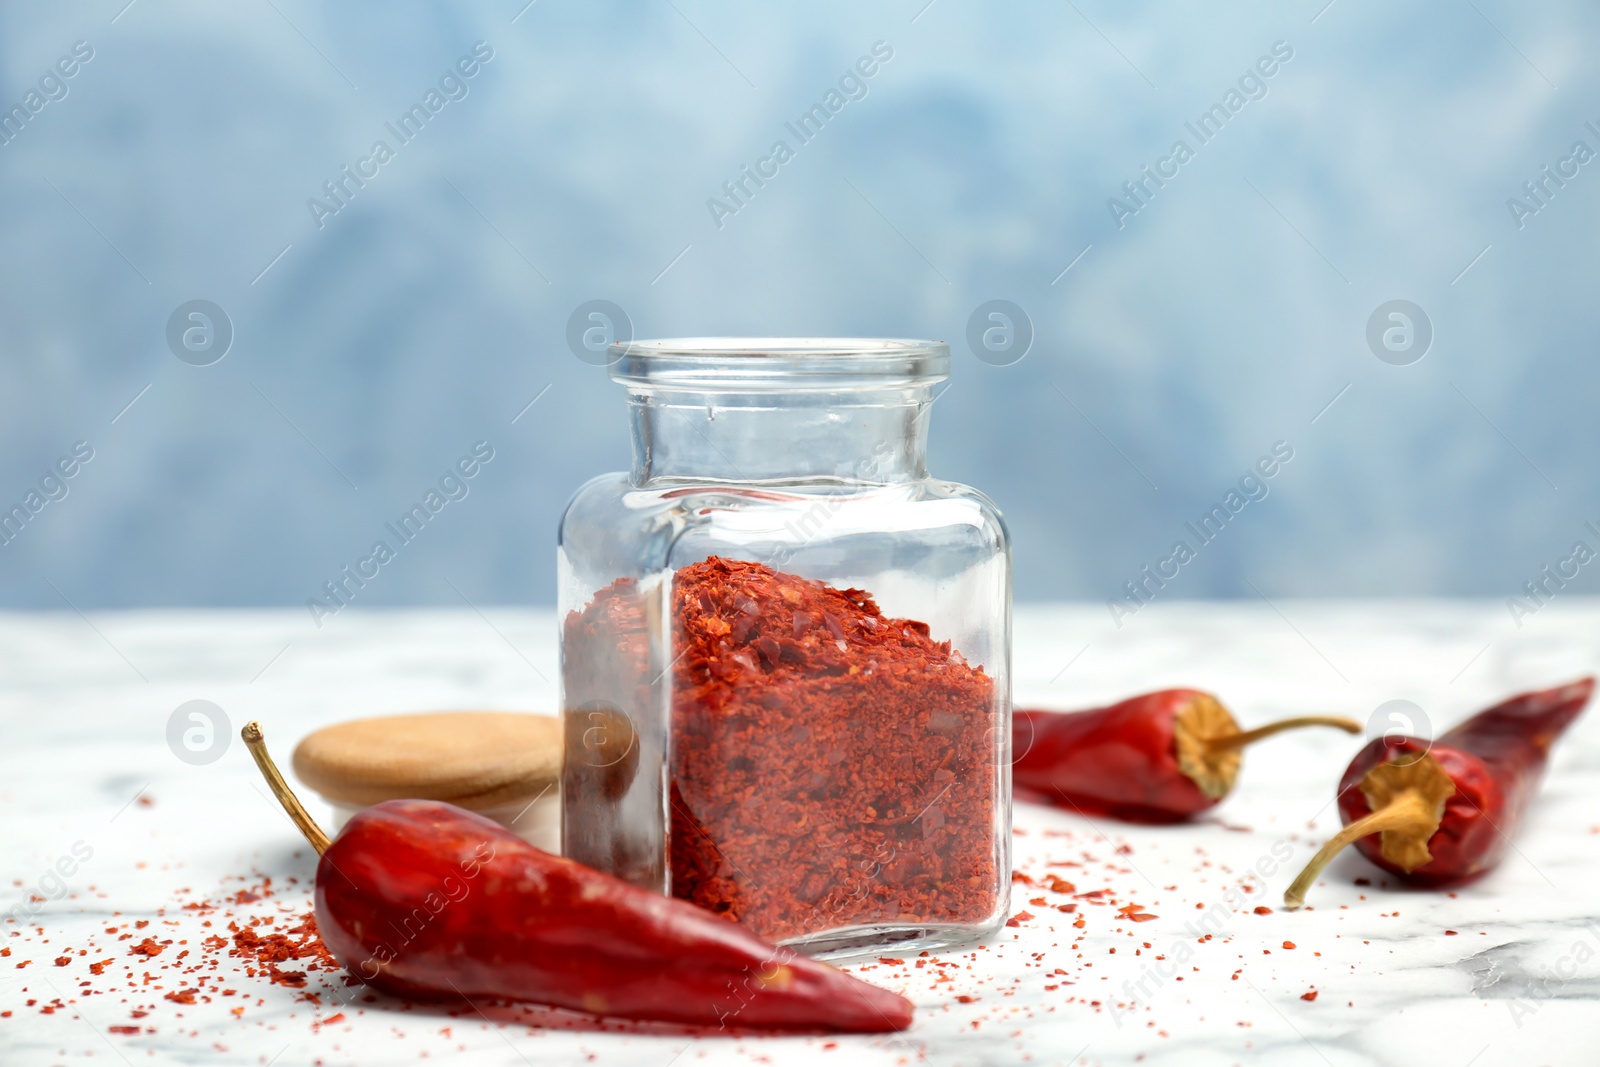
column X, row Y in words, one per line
column 773, row 363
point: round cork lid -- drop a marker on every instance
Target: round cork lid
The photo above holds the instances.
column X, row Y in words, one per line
column 475, row 759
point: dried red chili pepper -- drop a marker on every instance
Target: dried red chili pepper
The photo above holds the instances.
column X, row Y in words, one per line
column 1157, row 758
column 1444, row 812
column 422, row 899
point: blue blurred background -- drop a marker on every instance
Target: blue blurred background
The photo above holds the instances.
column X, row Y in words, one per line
column 373, row 345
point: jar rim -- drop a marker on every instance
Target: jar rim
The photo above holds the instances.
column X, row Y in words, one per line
column 773, row 362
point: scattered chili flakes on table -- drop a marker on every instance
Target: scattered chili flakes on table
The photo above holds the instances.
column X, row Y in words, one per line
column 154, row 980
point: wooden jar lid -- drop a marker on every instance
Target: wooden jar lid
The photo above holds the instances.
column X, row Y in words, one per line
column 475, row 759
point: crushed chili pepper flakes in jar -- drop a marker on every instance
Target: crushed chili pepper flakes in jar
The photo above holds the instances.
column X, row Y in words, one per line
column 831, row 767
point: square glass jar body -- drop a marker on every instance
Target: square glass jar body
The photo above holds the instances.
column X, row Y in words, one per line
column 786, row 653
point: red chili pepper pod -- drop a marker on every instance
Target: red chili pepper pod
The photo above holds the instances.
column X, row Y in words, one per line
column 424, row 900
column 1157, row 758
column 1443, row 813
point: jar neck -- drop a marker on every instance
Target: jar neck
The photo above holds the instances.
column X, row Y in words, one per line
column 860, row 436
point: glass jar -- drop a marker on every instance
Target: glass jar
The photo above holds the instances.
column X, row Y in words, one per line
column 786, row 650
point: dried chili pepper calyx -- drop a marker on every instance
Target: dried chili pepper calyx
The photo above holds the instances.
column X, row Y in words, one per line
column 1440, row 813
column 1407, row 797
column 1412, row 792
column 1213, row 768
column 424, row 900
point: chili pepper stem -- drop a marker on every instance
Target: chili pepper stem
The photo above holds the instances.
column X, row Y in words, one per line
column 1247, row 737
column 257, row 744
column 1410, row 811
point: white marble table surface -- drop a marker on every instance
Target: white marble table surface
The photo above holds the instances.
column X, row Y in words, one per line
column 84, row 704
